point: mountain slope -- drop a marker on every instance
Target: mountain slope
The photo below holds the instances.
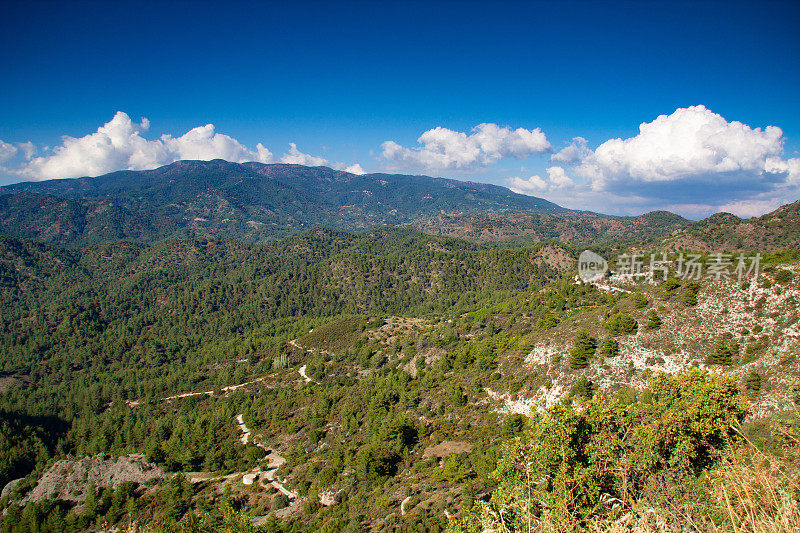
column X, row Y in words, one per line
column 257, row 202
column 382, row 367
column 249, row 201
column 577, row 228
column 779, row 229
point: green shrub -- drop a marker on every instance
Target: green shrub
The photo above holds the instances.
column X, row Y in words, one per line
column 280, row 501
column 584, row 388
column 671, row 284
column 689, row 294
column 514, row 424
column 753, row 381
column 621, row 323
column 721, row 355
column 640, row 301
column 573, row 466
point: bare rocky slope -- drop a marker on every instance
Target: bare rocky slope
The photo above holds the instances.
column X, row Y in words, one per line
column 760, row 321
column 68, row 479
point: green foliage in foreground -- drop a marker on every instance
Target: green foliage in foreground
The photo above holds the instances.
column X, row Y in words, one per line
column 575, row 465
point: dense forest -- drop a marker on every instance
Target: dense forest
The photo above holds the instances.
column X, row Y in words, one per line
column 362, row 361
column 87, row 332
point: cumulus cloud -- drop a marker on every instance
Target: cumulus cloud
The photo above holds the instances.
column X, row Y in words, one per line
column 692, row 143
column 556, row 179
column 296, row 157
column 120, row 145
column 575, row 152
column 694, row 162
column 355, row 169
column 205, row 144
column 534, row 184
column 27, row 149
column 7, row 151
column 443, row 148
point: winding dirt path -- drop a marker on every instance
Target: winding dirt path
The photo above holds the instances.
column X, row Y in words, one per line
column 225, row 390
column 302, row 369
column 303, row 374
column 403, row 505
column 274, row 460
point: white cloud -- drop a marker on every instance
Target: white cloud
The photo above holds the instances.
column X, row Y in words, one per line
column 442, row 148
column 576, row 151
column 204, row 144
column 534, row 184
column 556, row 179
column 28, row 149
column 789, row 167
column 693, row 143
column 693, row 162
column 119, row 145
column 750, row 208
column 7, row 151
column 355, row 169
column 296, row 157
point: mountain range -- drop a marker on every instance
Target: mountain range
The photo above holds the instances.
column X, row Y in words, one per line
column 264, row 202
column 251, row 201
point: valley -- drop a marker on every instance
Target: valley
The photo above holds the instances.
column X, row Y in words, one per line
column 385, row 379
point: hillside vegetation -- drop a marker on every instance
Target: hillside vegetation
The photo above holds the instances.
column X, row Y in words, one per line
column 389, row 380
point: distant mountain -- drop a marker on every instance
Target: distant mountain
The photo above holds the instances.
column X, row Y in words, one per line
column 251, row 201
column 657, row 230
column 258, row 202
column 777, row 230
column 574, row 228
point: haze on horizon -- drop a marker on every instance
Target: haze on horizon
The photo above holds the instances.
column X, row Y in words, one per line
column 615, row 108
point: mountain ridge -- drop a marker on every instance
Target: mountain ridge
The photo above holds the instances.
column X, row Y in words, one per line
column 253, row 201
column 264, row 202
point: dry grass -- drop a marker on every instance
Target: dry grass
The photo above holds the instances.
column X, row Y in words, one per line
column 754, row 492
column 760, row 492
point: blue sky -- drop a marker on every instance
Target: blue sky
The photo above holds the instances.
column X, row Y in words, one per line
column 341, row 79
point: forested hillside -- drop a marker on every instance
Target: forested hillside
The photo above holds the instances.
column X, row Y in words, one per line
column 382, row 377
column 779, row 229
column 249, row 201
column 577, row 228
column 372, row 380
column 93, row 338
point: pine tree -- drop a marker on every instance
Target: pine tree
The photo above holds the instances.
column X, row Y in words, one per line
column 653, row 320
column 90, row 504
column 621, row 323
column 640, row 300
column 585, row 346
column 609, row 347
column 722, row 354
column 753, row 381
column 584, row 388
